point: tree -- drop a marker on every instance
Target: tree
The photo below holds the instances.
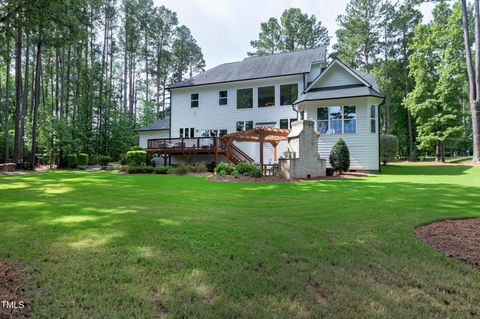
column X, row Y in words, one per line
column 358, row 36
column 473, row 73
column 436, row 65
column 340, row 156
column 187, row 53
column 296, row 31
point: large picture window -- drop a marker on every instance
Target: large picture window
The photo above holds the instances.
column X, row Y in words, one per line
column 244, row 98
column 288, row 94
column 266, row 96
column 337, row 119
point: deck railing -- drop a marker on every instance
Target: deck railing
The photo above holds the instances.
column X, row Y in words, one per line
column 184, row 143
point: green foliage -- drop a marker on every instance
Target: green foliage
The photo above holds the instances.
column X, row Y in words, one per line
column 182, row 169
column 340, row 156
column 163, row 170
column 82, row 160
column 224, row 167
column 388, row 148
column 198, row 168
column 235, row 174
column 437, row 64
column 241, row 169
column 103, row 160
column 136, row 158
column 296, row 31
column 140, row 169
column 72, row 160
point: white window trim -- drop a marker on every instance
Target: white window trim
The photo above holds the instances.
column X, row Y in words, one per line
column 193, row 100
column 343, row 119
column 375, row 118
column 219, row 98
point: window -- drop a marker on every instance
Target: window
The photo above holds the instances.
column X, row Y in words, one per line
column 181, row 133
column 373, row 119
column 283, row 123
column 266, row 96
column 291, row 121
column 244, row 125
column 222, row 97
column 288, row 94
column 349, row 119
column 210, row 133
column 194, row 100
column 322, row 120
column 337, row 119
column 192, row 132
column 244, row 99
column 223, row 133
column 187, row 132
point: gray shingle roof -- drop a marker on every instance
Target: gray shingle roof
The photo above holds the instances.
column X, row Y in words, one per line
column 160, row 124
column 258, row 67
column 337, row 94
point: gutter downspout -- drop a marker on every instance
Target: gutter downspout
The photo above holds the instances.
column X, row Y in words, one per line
column 170, row 119
column 378, row 130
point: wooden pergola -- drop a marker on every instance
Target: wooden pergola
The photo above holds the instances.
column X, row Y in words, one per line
column 260, row 135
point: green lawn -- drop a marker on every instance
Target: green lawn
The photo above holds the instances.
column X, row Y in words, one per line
column 107, row 245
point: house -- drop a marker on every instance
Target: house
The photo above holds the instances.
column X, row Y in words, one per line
column 274, row 91
column 158, row 129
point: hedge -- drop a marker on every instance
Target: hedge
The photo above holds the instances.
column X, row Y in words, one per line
column 388, row 148
column 136, row 158
column 340, row 156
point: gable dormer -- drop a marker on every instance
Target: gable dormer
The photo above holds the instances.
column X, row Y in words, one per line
column 336, row 75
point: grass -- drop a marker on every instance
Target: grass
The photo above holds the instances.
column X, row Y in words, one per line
column 106, row 245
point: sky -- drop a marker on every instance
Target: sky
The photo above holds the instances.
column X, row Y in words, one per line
column 224, row 28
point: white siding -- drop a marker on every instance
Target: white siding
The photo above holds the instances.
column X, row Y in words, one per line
column 143, row 137
column 336, row 76
column 363, row 145
column 210, row 115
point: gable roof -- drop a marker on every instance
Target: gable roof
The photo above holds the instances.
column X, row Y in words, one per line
column 366, row 86
column 158, row 125
column 280, row 64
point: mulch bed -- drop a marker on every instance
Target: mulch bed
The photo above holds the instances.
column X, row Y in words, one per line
column 459, row 239
column 13, row 279
column 20, row 172
column 273, row 179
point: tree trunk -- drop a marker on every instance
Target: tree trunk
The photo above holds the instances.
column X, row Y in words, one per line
column 147, row 88
column 125, row 71
column 25, row 95
column 62, row 87
column 57, row 89
column 38, row 68
column 17, row 144
column 438, row 151
column 7, row 103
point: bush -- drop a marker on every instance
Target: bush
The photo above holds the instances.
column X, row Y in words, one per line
column 103, row 160
column 163, row 170
column 199, row 168
column 224, row 167
column 256, row 172
column 93, row 160
column 340, row 156
column 136, row 148
column 140, row 169
column 72, row 160
column 236, row 174
column 388, row 148
column 136, row 158
column 82, row 160
column 182, row 169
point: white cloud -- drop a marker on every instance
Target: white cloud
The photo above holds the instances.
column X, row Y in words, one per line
column 224, row 28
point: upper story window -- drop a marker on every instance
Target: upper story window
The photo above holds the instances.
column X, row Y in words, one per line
column 194, row 100
column 244, row 125
column 287, row 123
column 337, row 119
column 266, row 96
column 244, row 98
column 373, row 119
column 288, row 93
column 222, row 97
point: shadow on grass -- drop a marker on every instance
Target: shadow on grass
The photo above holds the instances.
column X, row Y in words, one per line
column 148, row 246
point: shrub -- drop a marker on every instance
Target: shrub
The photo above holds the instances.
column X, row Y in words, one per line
column 162, row 169
column 140, row 169
column 82, row 160
column 199, row 168
column 72, row 160
column 93, row 160
column 225, row 167
column 136, row 148
column 182, row 169
column 340, row 156
column 236, row 174
column 136, row 158
column 170, row 170
column 256, row 172
column 103, row 160
column 388, row 148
